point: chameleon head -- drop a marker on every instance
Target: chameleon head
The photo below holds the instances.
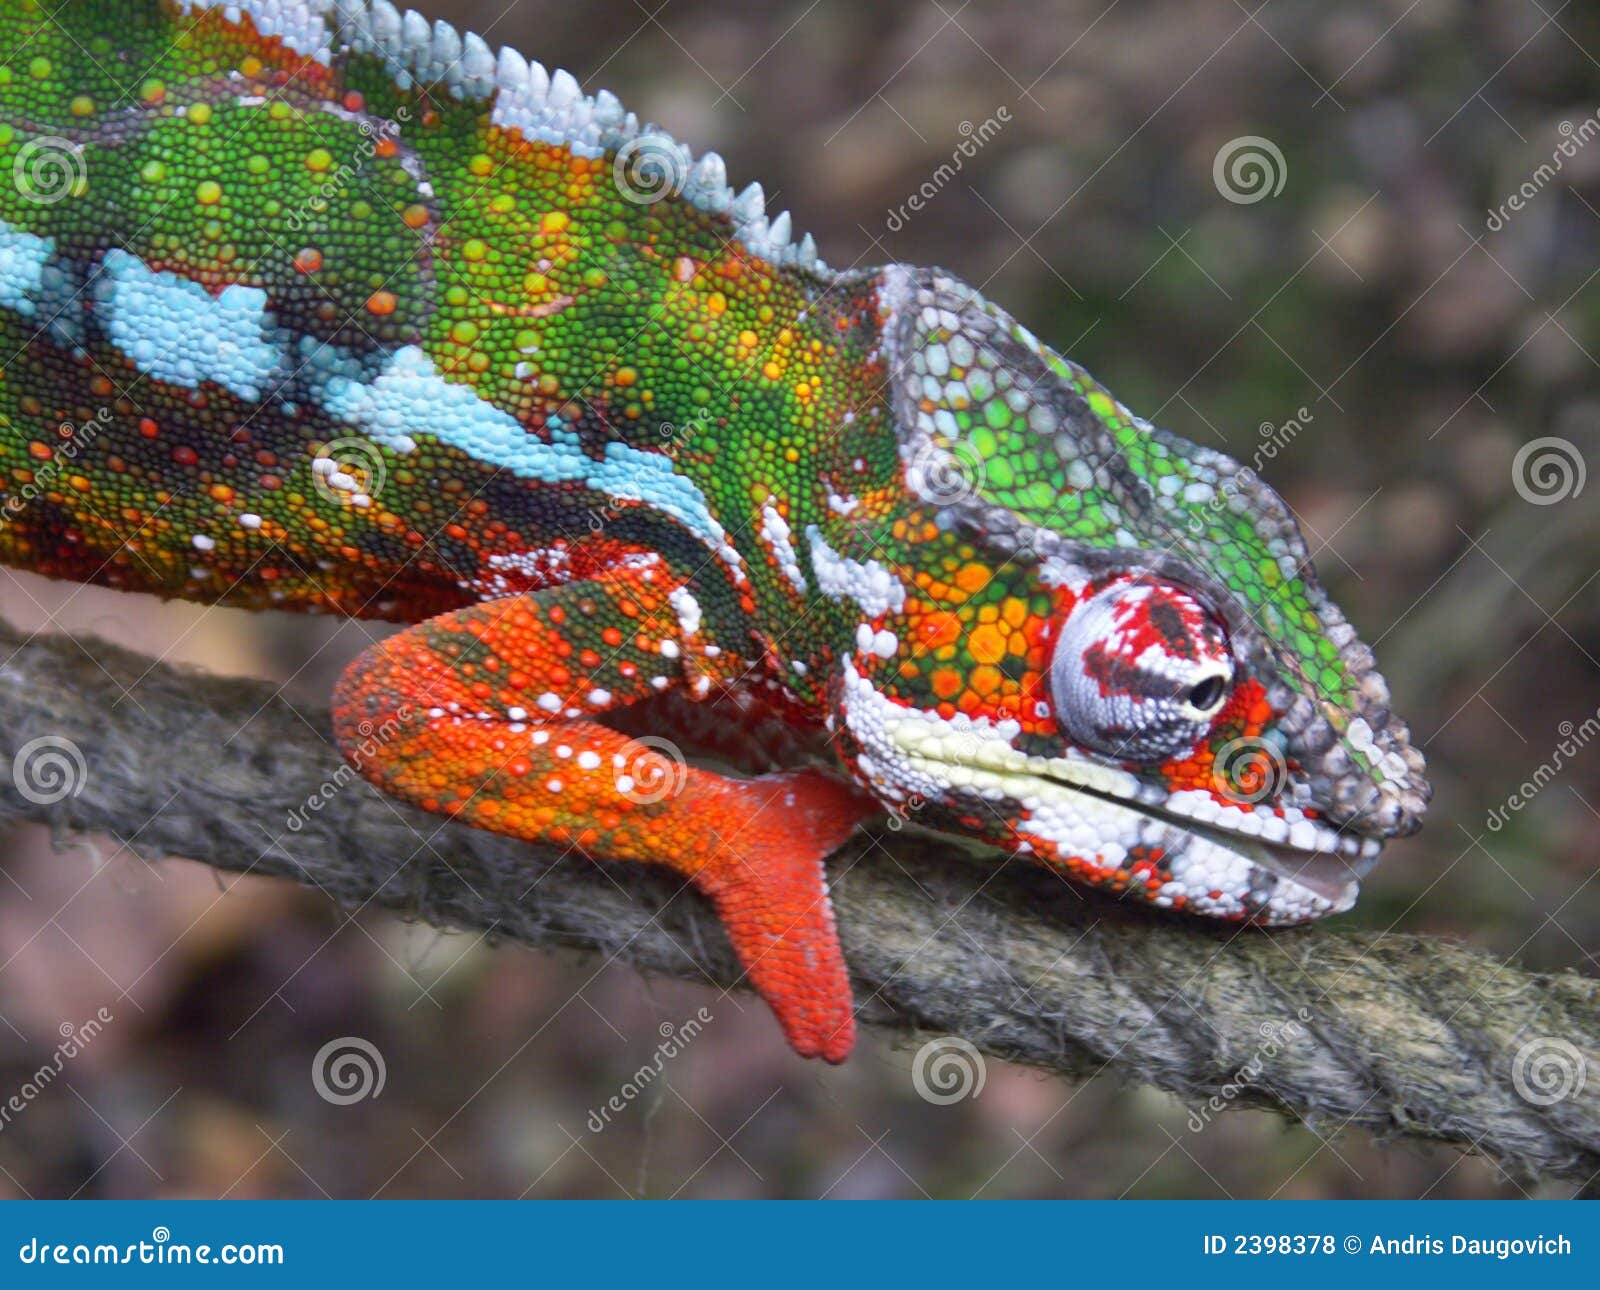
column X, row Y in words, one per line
column 1091, row 641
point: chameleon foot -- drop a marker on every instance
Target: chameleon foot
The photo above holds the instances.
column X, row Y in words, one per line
column 484, row 714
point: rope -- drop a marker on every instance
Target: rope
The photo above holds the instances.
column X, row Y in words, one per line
column 1338, row 1027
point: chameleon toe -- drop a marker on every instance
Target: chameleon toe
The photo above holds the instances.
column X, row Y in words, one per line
column 769, row 885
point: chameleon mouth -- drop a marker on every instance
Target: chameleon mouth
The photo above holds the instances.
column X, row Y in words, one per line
column 1333, row 875
column 1332, row 865
column 1273, row 866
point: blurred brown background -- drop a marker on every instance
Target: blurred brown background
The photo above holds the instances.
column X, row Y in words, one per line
column 1372, row 290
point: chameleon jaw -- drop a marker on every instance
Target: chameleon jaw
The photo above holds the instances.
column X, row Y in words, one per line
column 1102, row 825
column 1210, row 870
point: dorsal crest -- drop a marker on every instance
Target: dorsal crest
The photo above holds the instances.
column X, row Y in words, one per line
column 524, row 96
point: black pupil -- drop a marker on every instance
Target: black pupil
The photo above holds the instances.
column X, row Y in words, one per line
column 1206, row 694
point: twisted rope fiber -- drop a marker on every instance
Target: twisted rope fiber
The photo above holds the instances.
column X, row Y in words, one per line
column 1401, row 1035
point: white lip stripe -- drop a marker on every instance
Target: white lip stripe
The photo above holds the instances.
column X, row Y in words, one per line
column 1095, row 817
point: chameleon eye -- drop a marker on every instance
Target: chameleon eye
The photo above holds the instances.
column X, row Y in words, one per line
column 1206, row 696
column 1140, row 670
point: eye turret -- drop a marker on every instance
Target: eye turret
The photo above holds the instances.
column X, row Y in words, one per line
column 1140, row 670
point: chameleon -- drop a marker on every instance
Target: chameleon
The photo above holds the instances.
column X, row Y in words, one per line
column 314, row 305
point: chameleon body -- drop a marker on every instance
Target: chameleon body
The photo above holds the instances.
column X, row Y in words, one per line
column 318, row 306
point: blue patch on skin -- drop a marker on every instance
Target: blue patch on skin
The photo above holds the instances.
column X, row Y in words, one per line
column 409, row 397
column 178, row 332
column 23, row 257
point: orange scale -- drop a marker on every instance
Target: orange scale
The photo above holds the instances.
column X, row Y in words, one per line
column 986, row 680
column 969, row 702
column 987, row 643
column 974, row 577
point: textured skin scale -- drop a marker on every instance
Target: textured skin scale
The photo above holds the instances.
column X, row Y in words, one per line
column 340, row 311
